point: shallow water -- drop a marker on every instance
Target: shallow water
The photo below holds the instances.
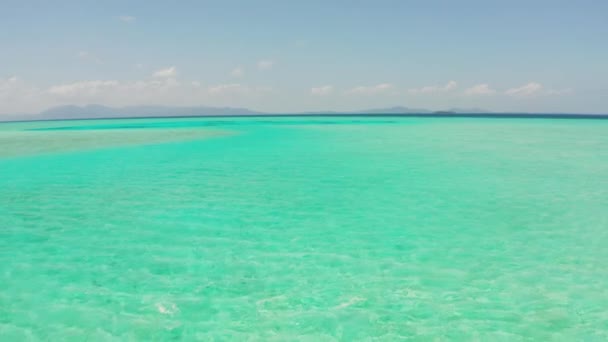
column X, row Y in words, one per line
column 314, row 229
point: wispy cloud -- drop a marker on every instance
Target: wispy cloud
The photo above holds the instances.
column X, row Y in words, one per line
column 529, row 89
column 300, row 43
column 82, row 88
column 88, row 56
column 451, row 85
column 480, row 89
column 322, row 90
column 9, row 84
column 236, row 89
column 83, row 91
column 265, row 64
column 19, row 96
column 566, row 91
column 166, row 72
column 534, row 89
column 222, row 89
column 237, row 72
column 371, row 90
column 126, row 18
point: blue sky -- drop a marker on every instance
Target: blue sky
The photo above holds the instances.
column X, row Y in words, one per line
column 286, row 56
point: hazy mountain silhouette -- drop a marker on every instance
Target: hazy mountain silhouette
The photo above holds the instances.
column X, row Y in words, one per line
column 99, row 111
column 95, row 111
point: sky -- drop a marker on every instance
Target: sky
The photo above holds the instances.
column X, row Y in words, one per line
column 314, row 55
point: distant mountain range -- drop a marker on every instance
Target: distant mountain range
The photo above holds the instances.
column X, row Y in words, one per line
column 406, row 110
column 98, row 111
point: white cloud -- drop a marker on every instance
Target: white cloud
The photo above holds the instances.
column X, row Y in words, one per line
column 451, row 85
column 529, row 89
column 480, row 89
column 195, row 83
column 237, row 72
column 126, row 18
column 371, row 90
column 265, row 64
column 167, row 72
column 322, row 90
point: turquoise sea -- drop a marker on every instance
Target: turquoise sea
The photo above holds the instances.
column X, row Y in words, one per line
column 304, row 229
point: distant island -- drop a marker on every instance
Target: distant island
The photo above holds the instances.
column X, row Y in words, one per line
column 95, row 111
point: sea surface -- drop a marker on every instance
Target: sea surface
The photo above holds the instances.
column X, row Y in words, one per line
column 304, row 229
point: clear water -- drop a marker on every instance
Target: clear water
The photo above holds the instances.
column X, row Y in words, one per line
column 304, row 229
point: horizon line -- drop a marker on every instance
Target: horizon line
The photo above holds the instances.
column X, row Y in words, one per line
column 438, row 114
